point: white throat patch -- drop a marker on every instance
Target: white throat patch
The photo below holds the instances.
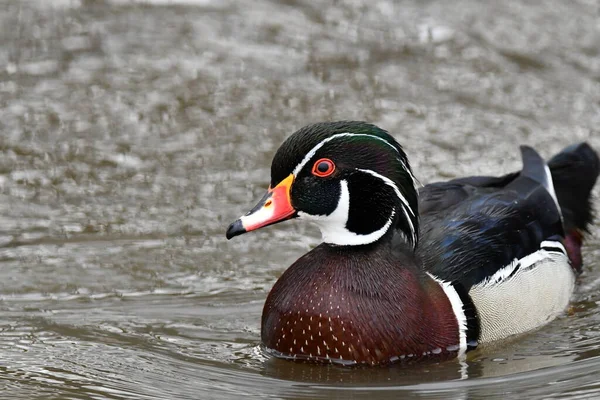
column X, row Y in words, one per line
column 333, row 226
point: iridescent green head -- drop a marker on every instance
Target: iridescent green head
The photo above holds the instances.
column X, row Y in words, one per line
column 352, row 178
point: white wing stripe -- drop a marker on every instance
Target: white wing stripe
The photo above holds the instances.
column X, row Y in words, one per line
column 547, row 248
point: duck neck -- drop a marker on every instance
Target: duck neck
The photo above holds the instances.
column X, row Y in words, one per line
column 370, row 207
column 359, row 304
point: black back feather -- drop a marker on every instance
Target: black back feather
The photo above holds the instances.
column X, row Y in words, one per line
column 472, row 227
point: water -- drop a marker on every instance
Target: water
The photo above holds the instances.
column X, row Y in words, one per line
column 132, row 134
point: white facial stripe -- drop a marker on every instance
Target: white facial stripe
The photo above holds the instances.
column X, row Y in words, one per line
column 333, row 226
column 459, row 312
column 314, row 150
column 406, row 208
column 390, row 183
column 412, row 227
column 412, row 177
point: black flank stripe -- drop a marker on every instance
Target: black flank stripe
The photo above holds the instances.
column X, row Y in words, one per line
column 553, row 249
column 471, row 315
column 514, row 271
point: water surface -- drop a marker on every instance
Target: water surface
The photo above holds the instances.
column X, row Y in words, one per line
column 132, row 134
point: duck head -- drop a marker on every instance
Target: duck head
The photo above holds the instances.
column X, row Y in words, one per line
column 352, row 178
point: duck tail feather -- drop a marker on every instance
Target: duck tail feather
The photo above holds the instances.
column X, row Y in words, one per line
column 574, row 173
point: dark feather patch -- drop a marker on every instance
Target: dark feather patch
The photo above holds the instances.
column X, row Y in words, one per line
column 479, row 230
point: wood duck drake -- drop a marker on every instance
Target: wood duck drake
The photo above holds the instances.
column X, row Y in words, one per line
column 406, row 273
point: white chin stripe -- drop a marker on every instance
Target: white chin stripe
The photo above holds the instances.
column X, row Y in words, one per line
column 459, row 312
column 333, row 226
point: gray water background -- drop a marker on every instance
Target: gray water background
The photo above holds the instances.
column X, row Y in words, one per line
column 132, row 134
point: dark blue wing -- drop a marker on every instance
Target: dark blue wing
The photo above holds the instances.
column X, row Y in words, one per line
column 472, row 227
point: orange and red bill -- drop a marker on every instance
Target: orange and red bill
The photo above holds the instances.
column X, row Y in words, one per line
column 275, row 206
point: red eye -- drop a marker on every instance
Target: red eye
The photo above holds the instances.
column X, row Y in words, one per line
column 323, row 167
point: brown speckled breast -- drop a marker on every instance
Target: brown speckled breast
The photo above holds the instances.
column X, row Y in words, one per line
column 348, row 306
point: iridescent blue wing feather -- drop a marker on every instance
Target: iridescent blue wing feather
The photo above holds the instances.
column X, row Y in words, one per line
column 472, row 227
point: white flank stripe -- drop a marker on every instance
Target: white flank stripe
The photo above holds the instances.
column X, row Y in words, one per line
column 524, row 263
column 459, row 312
column 501, row 274
column 553, row 243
